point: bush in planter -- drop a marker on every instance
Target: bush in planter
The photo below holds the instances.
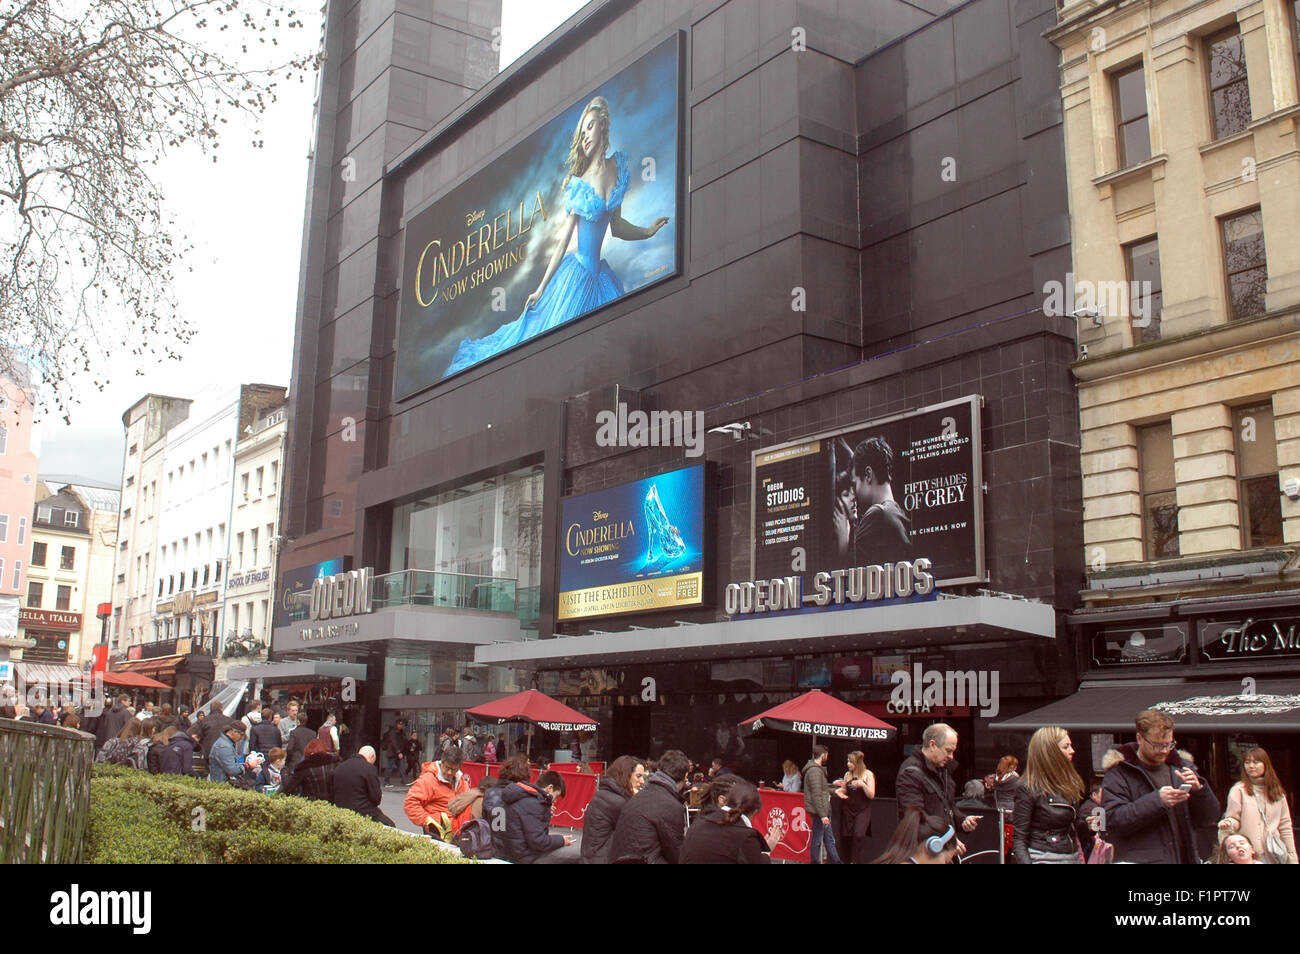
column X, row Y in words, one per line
column 137, row 817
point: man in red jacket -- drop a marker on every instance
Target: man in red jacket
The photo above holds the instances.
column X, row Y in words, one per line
column 427, row 799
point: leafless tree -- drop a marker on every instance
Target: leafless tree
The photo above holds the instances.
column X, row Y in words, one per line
column 92, row 94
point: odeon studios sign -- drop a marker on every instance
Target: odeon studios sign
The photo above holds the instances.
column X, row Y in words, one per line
column 337, row 597
column 858, row 584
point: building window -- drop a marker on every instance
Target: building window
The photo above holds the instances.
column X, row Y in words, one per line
column 35, row 593
column 4, row 439
column 44, row 513
column 218, row 577
column 1245, row 263
column 131, row 451
column 259, row 481
column 243, row 485
column 70, row 518
column 1257, row 486
column 68, row 558
column 4, row 528
column 18, row 574
column 1132, row 131
column 64, row 598
column 275, row 464
column 130, row 481
column 38, row 554
column 239, row 551
column 1159, row 500
column 1229, row 88
column 252, row 540
column 22, row 530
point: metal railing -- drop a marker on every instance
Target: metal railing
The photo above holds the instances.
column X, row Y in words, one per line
column 436, row 588
column 44, row 793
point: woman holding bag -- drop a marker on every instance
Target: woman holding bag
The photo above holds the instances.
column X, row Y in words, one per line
column 1258, row 810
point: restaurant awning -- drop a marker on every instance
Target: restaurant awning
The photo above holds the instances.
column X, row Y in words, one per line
column 159, row 667
column 46, row 673
column 1219, row 706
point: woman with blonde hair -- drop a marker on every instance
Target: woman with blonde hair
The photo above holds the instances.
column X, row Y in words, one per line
column 857, row 788
column 1257, row 809
column 1046, row 823
column 580, row 281
column 791, row 779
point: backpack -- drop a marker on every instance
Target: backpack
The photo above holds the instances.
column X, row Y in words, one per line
column 475, row 839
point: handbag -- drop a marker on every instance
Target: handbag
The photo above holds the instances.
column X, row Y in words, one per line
column 1103, row 852
column 1274, row 847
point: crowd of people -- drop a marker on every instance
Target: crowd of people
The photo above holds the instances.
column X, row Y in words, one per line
column 1148, row 807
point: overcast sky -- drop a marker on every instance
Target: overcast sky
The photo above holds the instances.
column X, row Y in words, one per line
column 244, row 217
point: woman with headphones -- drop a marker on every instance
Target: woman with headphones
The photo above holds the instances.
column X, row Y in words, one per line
column 920, row 839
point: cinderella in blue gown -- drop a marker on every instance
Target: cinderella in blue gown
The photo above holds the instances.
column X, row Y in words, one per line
column 582, row 282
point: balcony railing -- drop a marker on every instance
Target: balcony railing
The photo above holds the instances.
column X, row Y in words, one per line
column 444, row 589
column 434, row 588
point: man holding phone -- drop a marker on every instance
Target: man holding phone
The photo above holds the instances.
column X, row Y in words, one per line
column 1154, row 799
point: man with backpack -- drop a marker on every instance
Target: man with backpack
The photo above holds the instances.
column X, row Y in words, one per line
column 817, row 802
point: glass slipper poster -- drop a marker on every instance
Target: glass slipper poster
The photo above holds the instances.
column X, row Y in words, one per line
column 635, row 547
column 579, row 214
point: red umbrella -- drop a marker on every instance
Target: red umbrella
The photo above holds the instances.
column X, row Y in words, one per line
column 535, row 708
column 816, row 713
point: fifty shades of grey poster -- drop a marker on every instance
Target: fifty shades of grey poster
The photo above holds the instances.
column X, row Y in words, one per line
column 895, row 489
column 579, row 214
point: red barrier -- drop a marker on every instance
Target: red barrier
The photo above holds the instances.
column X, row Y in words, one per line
column 475, row 771
column 796, row 833
column 579, row 789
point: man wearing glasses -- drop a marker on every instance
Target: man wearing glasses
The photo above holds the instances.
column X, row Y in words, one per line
column 1154, row 799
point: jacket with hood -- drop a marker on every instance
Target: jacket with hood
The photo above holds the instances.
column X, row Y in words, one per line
column 177, row 756
column 528, row 823
column 600, row 820
column 933, row 791
column 652, row 825
column 710, row 842
column 429, row 797
column 1140, row 827
column 816, row 790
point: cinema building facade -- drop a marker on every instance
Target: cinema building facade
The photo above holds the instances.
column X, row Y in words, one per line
column 609, row 365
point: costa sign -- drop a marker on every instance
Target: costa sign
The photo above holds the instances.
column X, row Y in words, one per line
column 343, row 594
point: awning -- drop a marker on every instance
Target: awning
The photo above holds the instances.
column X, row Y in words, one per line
column 819, row 714
column 159, row 666
column 46, row 673
column 304, row 669
column 535, row 707
column 1273, row 706
column 912, row 624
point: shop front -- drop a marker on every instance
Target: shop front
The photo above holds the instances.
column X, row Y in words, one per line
column 1226, row 669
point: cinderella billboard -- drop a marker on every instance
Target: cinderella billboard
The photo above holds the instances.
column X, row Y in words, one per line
column 579, row 214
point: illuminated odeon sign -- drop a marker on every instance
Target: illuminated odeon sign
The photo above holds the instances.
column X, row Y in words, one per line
column 343, row 594
column 858, row 584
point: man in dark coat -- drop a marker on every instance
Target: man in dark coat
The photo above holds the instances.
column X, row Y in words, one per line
column 265, row 735
column 177, row 756
column 111, row 722
column 356, row 786
column 299, row 739
column 653, row 823
column 211, row 728
column 528, row 838
column 1154, row 799
column 395, row 749
column 925, row 780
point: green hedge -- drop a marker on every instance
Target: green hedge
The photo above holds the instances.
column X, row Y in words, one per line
column 138, row 818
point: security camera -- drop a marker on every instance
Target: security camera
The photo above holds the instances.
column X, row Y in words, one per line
column 1092, row 313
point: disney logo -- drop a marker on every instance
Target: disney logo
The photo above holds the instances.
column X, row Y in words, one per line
column 599, row 515
column 473, row 217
